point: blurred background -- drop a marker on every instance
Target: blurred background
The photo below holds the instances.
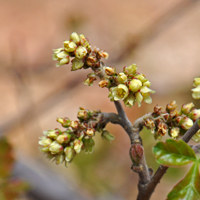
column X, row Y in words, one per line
column 161, row 37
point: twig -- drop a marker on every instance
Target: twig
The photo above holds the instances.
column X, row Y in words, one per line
column 146, row 191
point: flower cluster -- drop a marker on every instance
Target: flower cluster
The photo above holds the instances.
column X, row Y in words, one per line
column 196, row 90
column 171, row 121
column 129, row 85
column 79, row 49
column 62, row 146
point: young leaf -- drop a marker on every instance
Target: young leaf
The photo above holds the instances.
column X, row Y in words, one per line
column 173, row 153
column 6, row 158
column 189, row 187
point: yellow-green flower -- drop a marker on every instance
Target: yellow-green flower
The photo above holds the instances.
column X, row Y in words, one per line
column 141, row 77
column 186, row 108
column 119, row 92
column 186, row 123
column 74, row 36
column 80, row 52
column 45, row 141
column 196, row 137
column 139, row 98
column 59, row 158
column 69, row 153
column 131, row 69
column 69, row 46
column 196, row 82
column 55, row 147
column 107, row 136
column 145, row 90
column 174, row 132
column 135, row 85
column 130, row 100
column 194, row 114
column 88, row 145
column 196, row 92
column 121, row 78
column 63, row 138
column 77, row 145
column 90, row 132
column 147, row 98
column 77, row 64
column 110, row 70
column 61, row 56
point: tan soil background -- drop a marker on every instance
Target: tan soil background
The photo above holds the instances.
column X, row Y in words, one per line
column 161, row 37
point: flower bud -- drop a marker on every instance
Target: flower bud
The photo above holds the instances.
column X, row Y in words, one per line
column 186, row 108
column 77, row 145
column 69, row 46
column 74, row 36
column 171, row 106
column 74, row 124
column 90, row 132
column 82, row 38
column 174, row 132
column 84, row 42
column 80, row 52
column 157, row 110
column 136, row 153
column 45, row 141
column 110, row 70
column 135, row 85
column 77, row 64
column 65, row 122
column 131, row 69
column 104, row 83
column 162, row 128
column 88, row 145
column 121, row 78
column 149, row 124
column 55, row 52
column 194, row 114
column 61, row 56
column 196, row 92
column 53, row 133
column 91, row 60
column 64, row 138
column 44, row 149
column 59, row 158
column 186, row 123
column 141, row 77
column 83, row 114
column 196, row 136
column 69, row 154
column 107, row 136
column 55, row 147
column 103, row 54
column 196, row 82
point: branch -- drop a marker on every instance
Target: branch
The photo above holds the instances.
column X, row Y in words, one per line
column 146, row 191
column 136, row 151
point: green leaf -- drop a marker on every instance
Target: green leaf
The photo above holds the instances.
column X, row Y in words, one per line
column 174, row 153
column 189, row 187
column 6, row 158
